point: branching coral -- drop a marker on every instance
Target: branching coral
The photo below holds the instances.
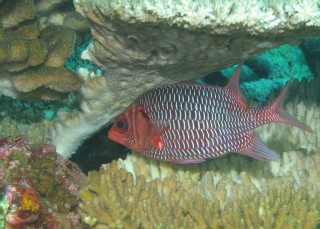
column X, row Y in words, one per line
column 113, row 198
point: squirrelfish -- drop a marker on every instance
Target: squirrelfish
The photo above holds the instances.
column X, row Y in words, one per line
column 189, row 123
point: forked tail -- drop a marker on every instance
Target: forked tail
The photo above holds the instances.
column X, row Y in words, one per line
column 276, row 107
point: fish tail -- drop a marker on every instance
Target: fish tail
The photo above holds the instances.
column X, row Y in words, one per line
column 276, row 107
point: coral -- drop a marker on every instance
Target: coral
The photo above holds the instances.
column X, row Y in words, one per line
column 32, row 119
column 60, row 42
column 20, row 11
column 145, row 44
column 25, row 206
column 46, row 6
column 135, row 202
column 57, row 79
column 61, row 13
column 37, row 133
column 27, row 49
column 311, row 50
column 85, row 68
column 39, row 184
column 271, row 70
column 25, row 112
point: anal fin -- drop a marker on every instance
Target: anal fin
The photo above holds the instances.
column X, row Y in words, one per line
column 260, row 151
column 187, row 161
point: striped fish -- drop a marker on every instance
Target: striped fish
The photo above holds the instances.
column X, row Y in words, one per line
column 189, row 123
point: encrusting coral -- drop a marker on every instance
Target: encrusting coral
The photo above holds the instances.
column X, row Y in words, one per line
column 31, row 55
column 40, row 188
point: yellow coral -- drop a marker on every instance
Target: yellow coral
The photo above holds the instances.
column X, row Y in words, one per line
column 60, row 42
column 28, row 56
column 29, row 201
column 113, row 198
column 20, row 10
column 58, row 79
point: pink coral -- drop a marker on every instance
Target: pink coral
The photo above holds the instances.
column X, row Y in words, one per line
column 19, row 143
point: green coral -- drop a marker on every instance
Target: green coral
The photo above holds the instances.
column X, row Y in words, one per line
column 3, row 208
column 271, row 70
column 44, row 179
column 76, row 63
column 31, row 112
column 21, row 157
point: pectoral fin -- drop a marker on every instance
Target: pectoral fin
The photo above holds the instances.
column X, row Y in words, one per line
column 147, row 133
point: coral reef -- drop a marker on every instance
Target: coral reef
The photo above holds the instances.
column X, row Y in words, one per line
column 143, row 45
column 32, row 119
column 209, row 196
column 28, row 49
column 230, row 192
column 41, row 189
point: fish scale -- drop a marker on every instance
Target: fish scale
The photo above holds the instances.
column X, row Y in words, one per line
column 183, row 123
column 189, row 123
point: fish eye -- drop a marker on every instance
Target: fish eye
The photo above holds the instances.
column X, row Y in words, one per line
column 122, row 124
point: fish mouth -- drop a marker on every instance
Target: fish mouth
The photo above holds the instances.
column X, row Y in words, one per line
column 112, row 135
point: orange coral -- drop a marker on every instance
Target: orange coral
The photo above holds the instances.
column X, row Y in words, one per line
column 29, row 201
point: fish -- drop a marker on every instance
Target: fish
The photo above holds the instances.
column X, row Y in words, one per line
column 191, row 123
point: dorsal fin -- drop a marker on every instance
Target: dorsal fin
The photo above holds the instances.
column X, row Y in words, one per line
column 234, row 85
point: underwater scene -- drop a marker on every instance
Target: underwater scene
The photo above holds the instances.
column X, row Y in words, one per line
column 159, row 114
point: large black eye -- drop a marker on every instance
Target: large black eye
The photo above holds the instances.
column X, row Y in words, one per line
column 122, row 124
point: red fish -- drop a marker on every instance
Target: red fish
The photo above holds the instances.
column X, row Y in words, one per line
column 189, row 123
